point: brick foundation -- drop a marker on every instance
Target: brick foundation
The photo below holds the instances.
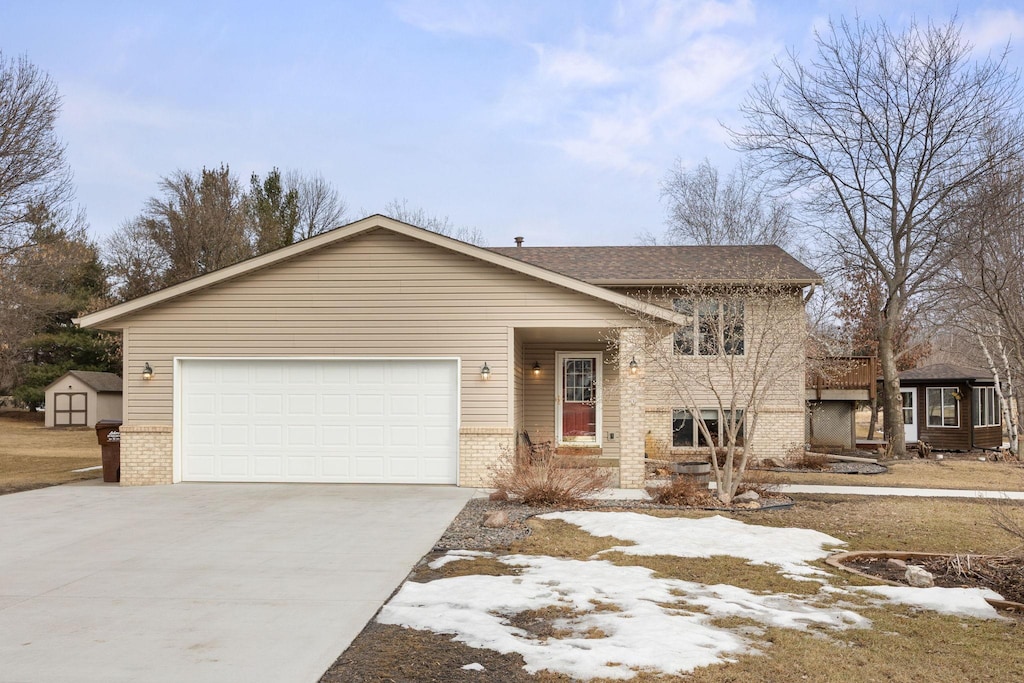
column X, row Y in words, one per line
column 479, row 449
column 147, row 455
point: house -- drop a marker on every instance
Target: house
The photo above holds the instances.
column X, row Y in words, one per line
column 381, row 352
column 951, row 407
column 80, row 397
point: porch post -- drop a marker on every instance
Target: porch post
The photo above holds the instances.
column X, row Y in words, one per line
column 631, row 409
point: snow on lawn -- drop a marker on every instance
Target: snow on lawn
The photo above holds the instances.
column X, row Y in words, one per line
column 968, row 602
column 623, row 618
column 612, row 621
column 789, row 549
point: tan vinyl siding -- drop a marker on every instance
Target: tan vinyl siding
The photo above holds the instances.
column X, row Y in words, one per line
column 378, row 294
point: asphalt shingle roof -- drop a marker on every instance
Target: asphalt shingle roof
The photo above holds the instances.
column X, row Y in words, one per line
column 666, row 265
column 946, row 371
column 100, row 381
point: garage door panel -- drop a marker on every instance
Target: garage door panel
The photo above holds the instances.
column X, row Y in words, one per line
column 319, row 420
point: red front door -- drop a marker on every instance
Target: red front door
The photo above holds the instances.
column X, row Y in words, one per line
column 579, row 399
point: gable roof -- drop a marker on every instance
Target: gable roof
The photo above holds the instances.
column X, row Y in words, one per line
column 108, row 317
column 946, row 371
column 98, row 381
column 667, row 265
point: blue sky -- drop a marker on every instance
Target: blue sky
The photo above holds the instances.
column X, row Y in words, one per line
column 552, row 120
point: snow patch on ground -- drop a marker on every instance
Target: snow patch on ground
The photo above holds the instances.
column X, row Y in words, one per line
column 789, row 549
column 965, row 602
column 613, row 621
column 622, row 619
column 475, row 666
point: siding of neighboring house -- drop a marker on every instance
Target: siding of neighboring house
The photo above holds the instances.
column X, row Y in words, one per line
column 377, row 294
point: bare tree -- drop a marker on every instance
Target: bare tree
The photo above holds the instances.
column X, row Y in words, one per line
column 740, row 352
column 985, row 283
column 199, row 224
column 33, row 170
column 321, row 208
column 705, row 209
column 875, row 134
column 442, row 225
column 135, row 266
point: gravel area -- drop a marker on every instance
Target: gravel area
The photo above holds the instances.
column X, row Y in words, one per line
column 466, row 532
column 840, row 468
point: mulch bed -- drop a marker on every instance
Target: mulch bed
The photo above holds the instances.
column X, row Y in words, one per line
column 1004, row 575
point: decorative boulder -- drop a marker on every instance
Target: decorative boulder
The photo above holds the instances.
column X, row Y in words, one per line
column 896, row 563
column 496, row 519
column 746, row 497
column 919, row 577
column 500, row 494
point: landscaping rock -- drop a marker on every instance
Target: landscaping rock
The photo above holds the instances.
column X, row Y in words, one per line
column 500, row 494
column 746, row 497
column 496, row 519
column 918, row 577
column 894, row 562
column 748, row 505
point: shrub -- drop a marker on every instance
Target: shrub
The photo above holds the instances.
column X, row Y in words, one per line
column 759, row 481
column 542, row 479
column 683, row 490
column 811, row 461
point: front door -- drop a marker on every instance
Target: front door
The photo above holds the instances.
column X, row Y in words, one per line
column 909, row 397
column 578, row 399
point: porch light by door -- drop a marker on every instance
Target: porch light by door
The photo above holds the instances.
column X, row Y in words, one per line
column 485, row 371
column 634, row 367
column 147, row 372
column 536, row 368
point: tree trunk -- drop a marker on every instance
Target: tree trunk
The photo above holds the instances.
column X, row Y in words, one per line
column 873, row 424
column 892, row 413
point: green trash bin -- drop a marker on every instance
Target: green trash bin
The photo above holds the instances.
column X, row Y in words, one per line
column 108, row 434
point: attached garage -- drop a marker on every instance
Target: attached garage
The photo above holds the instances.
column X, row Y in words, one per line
column 345, row 420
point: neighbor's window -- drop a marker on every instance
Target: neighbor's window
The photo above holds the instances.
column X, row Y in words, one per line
column 713, row 327
column 686, row 431
column 942, row 407
column 986, row 407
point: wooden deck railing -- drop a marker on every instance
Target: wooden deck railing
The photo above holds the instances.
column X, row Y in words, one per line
column 843, row 372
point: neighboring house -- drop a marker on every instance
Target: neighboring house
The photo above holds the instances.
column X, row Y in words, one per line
column 951, row 407
column 80, row 397
column 381, row 352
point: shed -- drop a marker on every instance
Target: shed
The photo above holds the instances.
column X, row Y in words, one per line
column 80, row 397
column 951, row 407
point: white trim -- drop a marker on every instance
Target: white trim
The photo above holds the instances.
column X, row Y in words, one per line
column 598, row 357
column 177, row 389
column 914, row 412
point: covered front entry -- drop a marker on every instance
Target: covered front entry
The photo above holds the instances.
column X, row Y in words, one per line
column 349, row 420
column 578, row 398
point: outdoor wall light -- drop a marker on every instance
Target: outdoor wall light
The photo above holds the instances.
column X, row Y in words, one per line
column 485, row 371
column 536, row 368
column 634, row 367
column 147, row 371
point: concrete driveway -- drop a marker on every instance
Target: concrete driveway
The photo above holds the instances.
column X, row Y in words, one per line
column 202, row 582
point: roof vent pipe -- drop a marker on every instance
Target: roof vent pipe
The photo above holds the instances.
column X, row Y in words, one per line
column 519, row 241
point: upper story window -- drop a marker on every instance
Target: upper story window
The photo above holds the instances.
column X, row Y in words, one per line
column 943, row 407
column 714, row 328
column 986, row 407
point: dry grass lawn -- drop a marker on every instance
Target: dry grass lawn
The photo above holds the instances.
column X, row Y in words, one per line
column 961, row 473
column 32, row 456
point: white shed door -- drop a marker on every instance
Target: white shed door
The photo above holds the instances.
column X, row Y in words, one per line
column 371, row 421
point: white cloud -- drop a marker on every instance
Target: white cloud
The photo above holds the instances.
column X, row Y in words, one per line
column 614, row 96
column 990, row 30
column 469, row 17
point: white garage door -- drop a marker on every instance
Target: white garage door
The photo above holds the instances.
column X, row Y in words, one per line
column 374, row 421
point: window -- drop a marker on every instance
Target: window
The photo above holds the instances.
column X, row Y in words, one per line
column 908, row 407
column 686, row 431
column 713, row 327
column 986, row 407
column 943, row 407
